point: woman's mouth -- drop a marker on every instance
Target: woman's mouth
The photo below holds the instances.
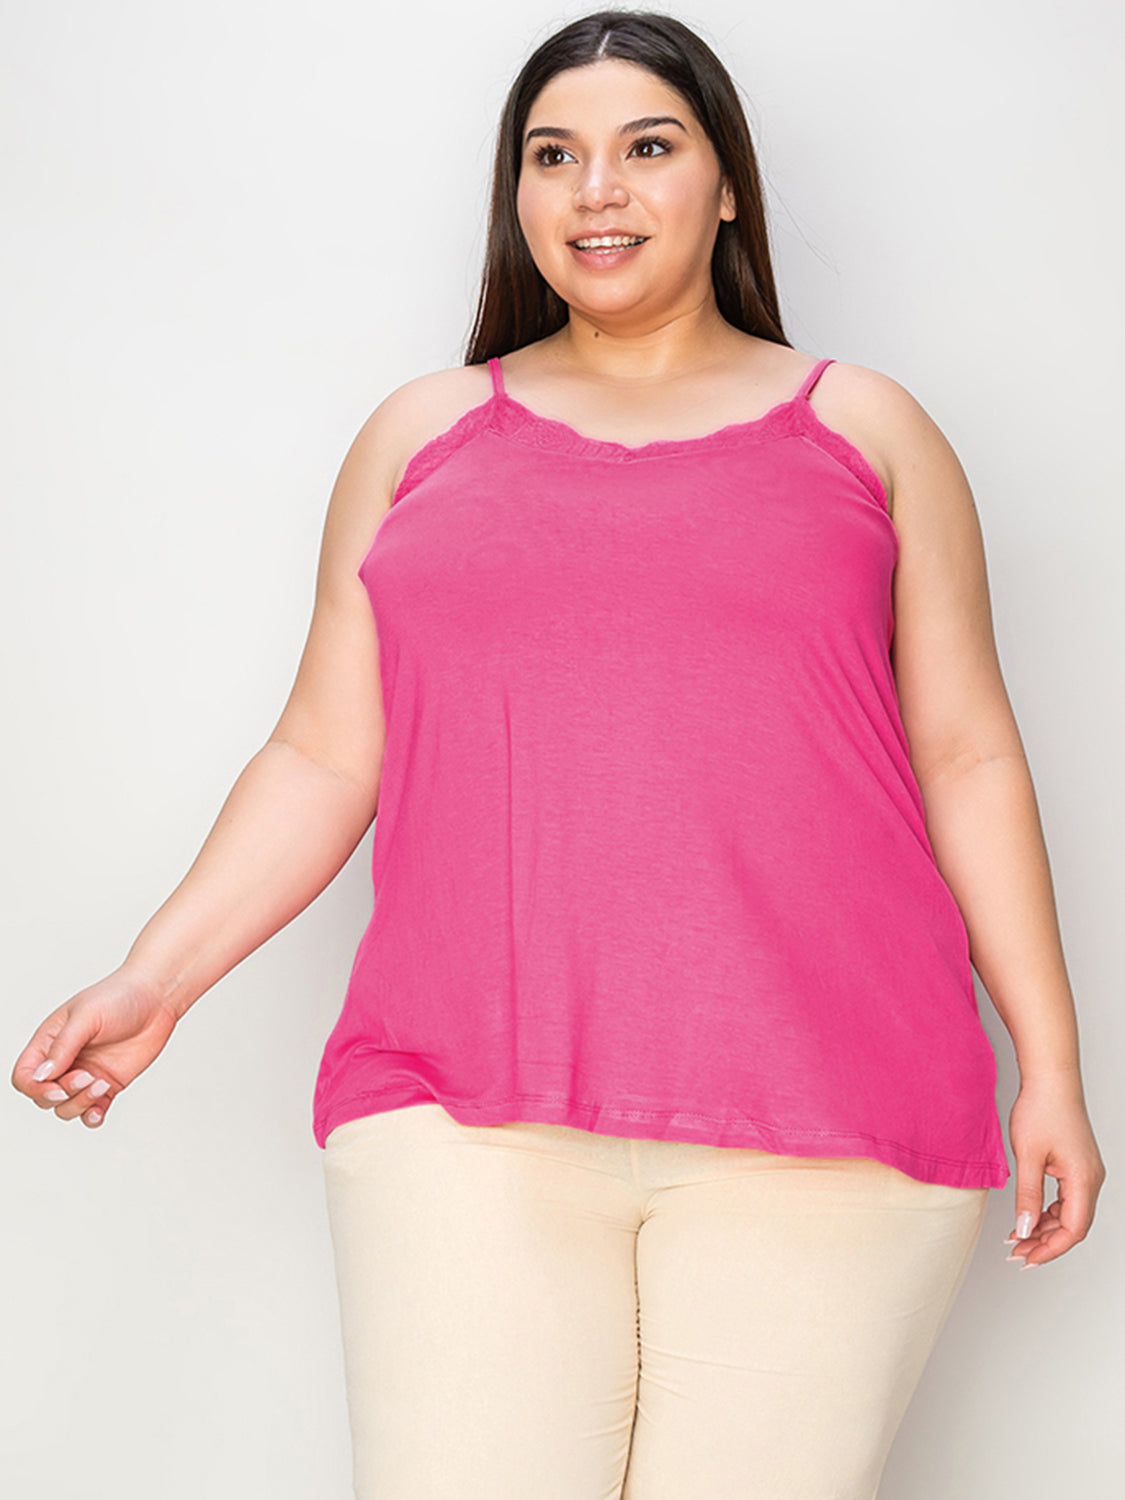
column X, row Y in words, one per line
column 606, row 250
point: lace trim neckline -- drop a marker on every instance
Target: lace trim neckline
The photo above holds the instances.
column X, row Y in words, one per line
column 512, row 416
column 503, row 414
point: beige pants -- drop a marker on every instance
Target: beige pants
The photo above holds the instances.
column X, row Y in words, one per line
column 536, row 1312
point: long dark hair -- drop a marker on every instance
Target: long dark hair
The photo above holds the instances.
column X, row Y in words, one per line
column 515, row 305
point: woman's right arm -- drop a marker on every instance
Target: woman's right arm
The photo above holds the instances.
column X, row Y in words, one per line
column 291, row 821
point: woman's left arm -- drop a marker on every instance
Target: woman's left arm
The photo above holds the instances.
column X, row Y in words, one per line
column 982, row 815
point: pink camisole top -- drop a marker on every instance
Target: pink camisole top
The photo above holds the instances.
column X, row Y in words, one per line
column 649, row 857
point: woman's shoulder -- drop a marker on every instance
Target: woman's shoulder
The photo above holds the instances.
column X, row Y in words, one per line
column 406, row 419
column 437, row 393
column 867, row 392
column 876, row 413
column 422, row 408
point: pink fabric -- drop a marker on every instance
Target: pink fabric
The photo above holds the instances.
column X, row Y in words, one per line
column 650, row 859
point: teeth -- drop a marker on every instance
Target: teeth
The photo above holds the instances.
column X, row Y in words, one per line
column 610, row 241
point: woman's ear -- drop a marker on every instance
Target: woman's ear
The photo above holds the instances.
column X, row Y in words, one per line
column 727, row 208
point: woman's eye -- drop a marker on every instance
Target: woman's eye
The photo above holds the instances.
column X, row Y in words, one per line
column 544, row 154
column 654, row 140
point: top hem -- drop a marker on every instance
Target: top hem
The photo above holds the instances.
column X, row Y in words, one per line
column 676, row 1126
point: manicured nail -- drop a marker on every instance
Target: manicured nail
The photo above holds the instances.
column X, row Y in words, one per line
column 1030, row 1265
column 80, row 1080
column 100, row 1088
column 1011, row 1240
column 95, row 1117
column 56, row 1096
column 44, row 1070
column 1025, row 1224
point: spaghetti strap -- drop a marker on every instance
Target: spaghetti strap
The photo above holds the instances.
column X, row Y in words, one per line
column 811, row 379
column 497, row 377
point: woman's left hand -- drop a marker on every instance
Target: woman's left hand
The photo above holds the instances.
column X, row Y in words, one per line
column 1051, row 1136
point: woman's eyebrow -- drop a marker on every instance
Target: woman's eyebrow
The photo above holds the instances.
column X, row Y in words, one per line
column 646, row 122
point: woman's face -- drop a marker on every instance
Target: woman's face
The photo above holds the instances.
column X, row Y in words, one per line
column 582, row 174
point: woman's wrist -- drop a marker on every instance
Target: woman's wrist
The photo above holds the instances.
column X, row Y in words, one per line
column 1064, row 1076
column 163, row 989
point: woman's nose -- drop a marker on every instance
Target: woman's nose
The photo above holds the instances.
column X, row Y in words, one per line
column 599, row 186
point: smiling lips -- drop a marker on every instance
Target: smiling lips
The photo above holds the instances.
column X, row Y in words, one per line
column 606, row 250
column 607, row 241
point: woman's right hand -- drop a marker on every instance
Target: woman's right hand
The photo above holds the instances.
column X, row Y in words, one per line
column 106, row 1034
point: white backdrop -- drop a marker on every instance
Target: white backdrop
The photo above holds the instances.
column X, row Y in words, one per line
column 229, row 230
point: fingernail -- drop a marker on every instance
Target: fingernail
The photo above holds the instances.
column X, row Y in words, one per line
column 80, row 1080
column 1015, row 1257
column 1024, row 1225
column 1011, row 1240
column 56, row 1096
column 100, row 1088
column 44, row 1070
column 1030, row 1265
column 95, row 1117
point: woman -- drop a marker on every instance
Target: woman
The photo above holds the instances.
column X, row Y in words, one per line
column 658, row 1118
